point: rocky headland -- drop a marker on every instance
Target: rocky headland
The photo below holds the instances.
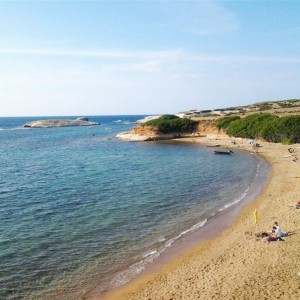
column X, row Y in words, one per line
column 50, row 123
column 150, row 133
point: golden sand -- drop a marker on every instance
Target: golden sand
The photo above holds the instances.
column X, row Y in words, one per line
column 236, row 264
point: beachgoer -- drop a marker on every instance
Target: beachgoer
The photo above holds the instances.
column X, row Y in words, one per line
column 278, row 231
column 297, row 204
column 254, row 147
column 291, row 150
column 278, row 234
column 270, row 238
column 262, row 234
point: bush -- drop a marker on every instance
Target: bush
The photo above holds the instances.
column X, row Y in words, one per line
column 251, row 126
column 224, row 122
column 285, row 104
column 289, row 128
column 267, row 126
column 171, row 123
column 264, row 106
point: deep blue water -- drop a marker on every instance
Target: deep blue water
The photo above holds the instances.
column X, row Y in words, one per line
column 81, row 211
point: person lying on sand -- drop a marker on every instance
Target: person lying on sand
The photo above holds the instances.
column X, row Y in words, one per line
column 296, row 205
column 271, row 237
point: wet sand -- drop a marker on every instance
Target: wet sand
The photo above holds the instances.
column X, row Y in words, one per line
column 236, row 264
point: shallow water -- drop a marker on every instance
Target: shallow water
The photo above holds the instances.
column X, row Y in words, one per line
column 81, row 211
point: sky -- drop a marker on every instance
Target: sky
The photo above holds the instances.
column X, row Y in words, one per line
column 60, row 58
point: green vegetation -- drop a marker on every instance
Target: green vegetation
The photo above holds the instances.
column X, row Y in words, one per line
column 266, row 126
column 285, row 104
column 264, row 106
column 251, row 126
column 210, row 115
column 232, row 108
column 171, row 123
column 224, row 122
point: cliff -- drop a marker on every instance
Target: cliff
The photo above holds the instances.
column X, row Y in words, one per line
column 208, row 127
column 150, row 133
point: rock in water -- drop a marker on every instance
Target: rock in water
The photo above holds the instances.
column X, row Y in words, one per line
column 50, row 123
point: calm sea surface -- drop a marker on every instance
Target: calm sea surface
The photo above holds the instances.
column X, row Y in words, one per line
column 81, row 211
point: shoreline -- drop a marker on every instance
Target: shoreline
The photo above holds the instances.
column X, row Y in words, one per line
column 212, row 227
column 155, row 283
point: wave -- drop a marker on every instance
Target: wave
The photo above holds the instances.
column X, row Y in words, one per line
column 14, row 128
column 154, row 252
column 125, row 276
column 191, row 229
column 124, row 122
column 10, row 190
column 236, row 201
column 148, row 257
column 243, row 195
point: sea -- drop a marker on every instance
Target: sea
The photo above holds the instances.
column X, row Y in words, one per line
column 82, row 212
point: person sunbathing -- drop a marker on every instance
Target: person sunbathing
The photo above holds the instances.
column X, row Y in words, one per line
column 270, row 238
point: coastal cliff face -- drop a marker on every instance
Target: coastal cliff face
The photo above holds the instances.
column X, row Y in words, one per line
column 208, row 127
column 142, row 133
column 50, row 123
column 150, row 133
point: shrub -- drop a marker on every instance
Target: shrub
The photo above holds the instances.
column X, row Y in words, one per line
column 289, row 128
column 264, row 106
column 268, row 127
column 249, row 127
column 224, row 122
column 171, row 123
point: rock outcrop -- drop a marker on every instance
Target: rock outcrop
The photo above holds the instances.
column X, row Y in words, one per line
column 148, row 133
column 50, row 123
column 208, row 127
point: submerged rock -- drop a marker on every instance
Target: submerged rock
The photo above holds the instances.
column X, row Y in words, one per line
column 50, row 123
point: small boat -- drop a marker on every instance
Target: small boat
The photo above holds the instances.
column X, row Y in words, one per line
column 216, row 145
column 223, row 152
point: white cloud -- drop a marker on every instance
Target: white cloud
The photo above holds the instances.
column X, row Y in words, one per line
column 68, row 53
column 139, row 81
column 151, row 57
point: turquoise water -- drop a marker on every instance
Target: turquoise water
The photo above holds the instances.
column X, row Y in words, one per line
column 81, row 211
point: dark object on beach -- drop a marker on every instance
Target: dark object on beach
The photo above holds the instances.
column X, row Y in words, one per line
column 261, row 234
column 216, row 145
column 223, row 152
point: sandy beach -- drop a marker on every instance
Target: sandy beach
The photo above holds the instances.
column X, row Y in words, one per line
column 236, row 264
